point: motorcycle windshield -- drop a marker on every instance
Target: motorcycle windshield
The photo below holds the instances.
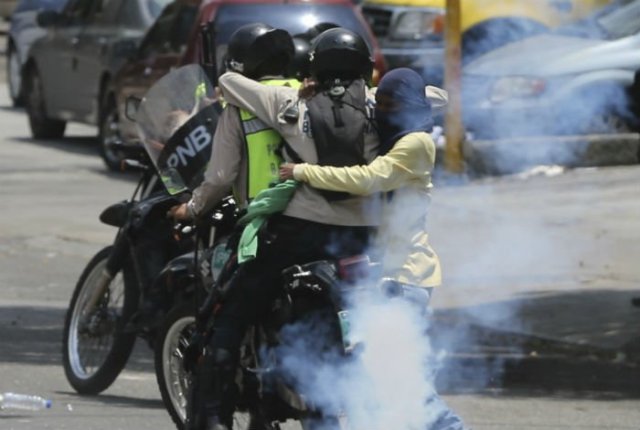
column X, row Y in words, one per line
column 176, row 120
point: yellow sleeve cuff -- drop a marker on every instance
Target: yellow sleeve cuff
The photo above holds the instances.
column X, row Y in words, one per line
column 298, row 171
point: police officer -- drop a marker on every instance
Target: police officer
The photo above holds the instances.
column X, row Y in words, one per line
column 244, row 156
column 245, row 160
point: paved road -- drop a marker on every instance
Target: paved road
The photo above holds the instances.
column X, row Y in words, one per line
column 54, row 191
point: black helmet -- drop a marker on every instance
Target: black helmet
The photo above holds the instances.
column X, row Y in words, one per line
column 253, row 45
column 318, row 29
column 340, row 54
column 299, row 65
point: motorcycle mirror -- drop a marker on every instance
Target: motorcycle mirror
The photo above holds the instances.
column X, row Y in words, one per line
column 131, row 106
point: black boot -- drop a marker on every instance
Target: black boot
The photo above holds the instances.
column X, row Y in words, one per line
column 217, row 390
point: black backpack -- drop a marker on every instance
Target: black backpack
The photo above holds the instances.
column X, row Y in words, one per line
column 338, row 122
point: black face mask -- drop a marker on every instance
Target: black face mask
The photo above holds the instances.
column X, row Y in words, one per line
column 412, row 109
column 392, row 125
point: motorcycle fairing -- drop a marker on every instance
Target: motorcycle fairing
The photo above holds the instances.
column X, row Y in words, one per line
column 176, row 121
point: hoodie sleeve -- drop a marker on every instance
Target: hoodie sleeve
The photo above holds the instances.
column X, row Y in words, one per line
column 265, row 101
column 410, row 161
column 438, row 98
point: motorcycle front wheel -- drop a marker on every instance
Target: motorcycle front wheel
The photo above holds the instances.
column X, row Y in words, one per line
column 95, row 348
column 173, row 380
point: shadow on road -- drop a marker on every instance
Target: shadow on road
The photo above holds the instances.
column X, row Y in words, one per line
column 581, row 343
column 481, row 360
column 12, row 108
column 33, row 335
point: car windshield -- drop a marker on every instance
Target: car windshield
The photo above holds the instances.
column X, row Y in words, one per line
column 154, row 7
column 295, row 19
column 617, row 20
column 623, row 21
column 27, row 5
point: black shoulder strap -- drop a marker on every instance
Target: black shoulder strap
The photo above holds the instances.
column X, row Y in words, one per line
column 290, row 152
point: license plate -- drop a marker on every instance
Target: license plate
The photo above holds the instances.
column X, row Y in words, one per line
column 345, row 330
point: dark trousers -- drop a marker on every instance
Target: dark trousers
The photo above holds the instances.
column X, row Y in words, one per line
column 284, row 241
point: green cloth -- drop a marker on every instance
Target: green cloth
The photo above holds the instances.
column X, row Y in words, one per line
column 267, row 202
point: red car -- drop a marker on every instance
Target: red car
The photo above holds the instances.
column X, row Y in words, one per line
column 155, row 59
column 295, row 16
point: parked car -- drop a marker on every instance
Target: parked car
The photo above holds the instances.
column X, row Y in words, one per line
column 7, row 7
column 162, row 48
column 69, row 71
column 410, row 32
column 23, row 31
column 572, row 81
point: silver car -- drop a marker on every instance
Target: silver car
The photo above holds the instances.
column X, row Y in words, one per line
column 23, row 31
column 572, row 81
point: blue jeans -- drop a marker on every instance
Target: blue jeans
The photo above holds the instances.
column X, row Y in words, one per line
column 446, row 419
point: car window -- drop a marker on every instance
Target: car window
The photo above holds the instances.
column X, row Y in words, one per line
column 623, row 21
column 155, row 7
column 618, row 19
column 27, row 5
column 170, row 33
column 130, row 14
column 78, row 11
column 106, row 11
column 295, row 18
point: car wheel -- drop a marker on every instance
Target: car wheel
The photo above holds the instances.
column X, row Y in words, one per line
column 110, row 137
column 42, row 127
column 609, row 123
column 14, row 80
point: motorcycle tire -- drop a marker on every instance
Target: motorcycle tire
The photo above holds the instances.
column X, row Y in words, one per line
column 107, row 321
column 173, row 381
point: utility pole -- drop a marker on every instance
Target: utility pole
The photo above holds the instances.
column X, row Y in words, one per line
column 454, row 129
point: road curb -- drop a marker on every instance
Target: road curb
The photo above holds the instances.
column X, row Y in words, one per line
column 509, row 156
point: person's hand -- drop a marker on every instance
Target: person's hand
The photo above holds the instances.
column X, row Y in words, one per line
column 286, row 171
column 179, row 212
column 307, row 89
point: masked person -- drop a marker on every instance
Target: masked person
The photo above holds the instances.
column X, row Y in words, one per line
column 404, row 121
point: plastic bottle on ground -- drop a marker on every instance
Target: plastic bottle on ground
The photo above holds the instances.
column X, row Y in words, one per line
column 23, row 402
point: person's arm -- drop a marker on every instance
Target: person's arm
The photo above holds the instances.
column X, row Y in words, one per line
column 408, row 160
column 265, row 101
column 222, row 170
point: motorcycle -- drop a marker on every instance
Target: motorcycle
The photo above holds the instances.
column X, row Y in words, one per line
column 149, row 254
column 268, row 396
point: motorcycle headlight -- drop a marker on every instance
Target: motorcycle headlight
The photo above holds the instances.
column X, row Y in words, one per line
column 512, row 87
column 415, row 25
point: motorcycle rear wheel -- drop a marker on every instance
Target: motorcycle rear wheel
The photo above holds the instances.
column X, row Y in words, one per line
column 173, row 380
column 94, row 348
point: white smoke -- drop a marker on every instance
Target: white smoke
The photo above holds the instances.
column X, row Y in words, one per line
column 388, row 378
column 530, row 96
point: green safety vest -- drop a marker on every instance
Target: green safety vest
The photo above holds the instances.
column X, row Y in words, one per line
column 262, row 143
